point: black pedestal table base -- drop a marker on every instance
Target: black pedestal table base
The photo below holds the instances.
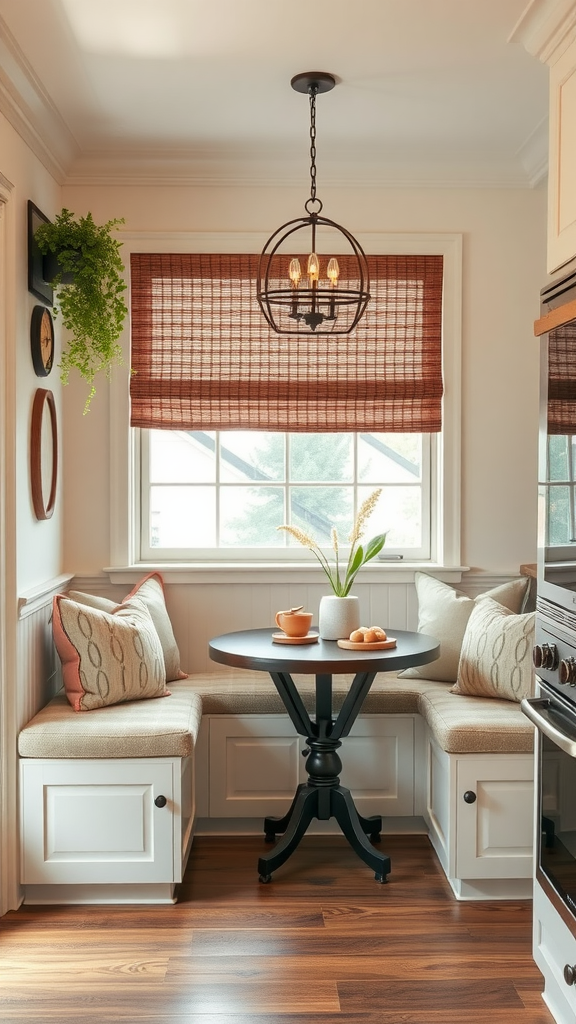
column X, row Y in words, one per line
column 321, row 796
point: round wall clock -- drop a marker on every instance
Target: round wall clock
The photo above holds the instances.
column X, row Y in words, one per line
column 42, row 340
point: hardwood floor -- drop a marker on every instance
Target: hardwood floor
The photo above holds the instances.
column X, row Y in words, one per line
column 323, row 943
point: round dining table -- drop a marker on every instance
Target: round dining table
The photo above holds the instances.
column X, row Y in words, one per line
column 322, row 796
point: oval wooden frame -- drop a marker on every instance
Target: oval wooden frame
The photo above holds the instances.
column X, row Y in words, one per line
column 41, row 398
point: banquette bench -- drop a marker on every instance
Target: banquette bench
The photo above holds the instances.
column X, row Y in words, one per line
column 110, row 799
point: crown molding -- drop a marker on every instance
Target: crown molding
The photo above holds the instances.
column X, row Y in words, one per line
column 524, row 170
column 33, row 115
column 30, row 110
column 546, row 28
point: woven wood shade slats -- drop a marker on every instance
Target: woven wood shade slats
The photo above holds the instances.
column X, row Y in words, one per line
column 203, row 357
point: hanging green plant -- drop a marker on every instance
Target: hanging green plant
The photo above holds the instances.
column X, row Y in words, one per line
column 89, row 286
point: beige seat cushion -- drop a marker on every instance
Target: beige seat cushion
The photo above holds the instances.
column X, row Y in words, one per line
column 237, row 692
column 461, row 725
column 476, row 725
column 166, row 727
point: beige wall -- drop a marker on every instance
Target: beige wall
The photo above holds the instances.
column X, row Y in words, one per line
column 503, row 270
column 38, row 545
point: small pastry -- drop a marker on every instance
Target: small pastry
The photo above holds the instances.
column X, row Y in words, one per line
column 357, row 636
column 371, row 636
column 380, row 633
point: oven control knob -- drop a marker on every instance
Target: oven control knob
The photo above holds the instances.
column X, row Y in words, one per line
column 545, row 656
column 567, row 671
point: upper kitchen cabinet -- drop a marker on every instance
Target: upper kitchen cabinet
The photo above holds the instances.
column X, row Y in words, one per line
column 562, row 163
column 548, row 31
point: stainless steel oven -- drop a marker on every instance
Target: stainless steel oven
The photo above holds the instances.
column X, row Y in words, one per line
column 553, row 711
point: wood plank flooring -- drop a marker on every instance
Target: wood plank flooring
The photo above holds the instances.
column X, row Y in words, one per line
column 323, row 943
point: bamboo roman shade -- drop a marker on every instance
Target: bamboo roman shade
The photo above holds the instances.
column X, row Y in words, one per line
column 562, row 380
column 203, row 357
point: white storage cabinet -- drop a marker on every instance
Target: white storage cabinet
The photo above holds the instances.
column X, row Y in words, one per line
column 255, row 762
column 554, row 949
column 562, row 166
column 110, row 830
column 479, row 812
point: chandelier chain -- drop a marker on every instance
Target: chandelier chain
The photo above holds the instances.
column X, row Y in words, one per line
column 313, row 91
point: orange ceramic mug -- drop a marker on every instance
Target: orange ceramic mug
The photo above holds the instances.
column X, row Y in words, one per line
column 294, row 622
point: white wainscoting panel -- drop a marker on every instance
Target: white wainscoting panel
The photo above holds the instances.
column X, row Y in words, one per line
column 39, row 674
column 200, row 611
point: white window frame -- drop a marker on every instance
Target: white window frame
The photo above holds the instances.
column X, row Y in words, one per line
column 290, row 552
column 445, row 470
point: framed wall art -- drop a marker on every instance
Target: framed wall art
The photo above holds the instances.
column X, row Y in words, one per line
column 36, row 283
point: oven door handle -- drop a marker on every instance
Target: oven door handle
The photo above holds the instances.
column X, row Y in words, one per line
column 537, row 709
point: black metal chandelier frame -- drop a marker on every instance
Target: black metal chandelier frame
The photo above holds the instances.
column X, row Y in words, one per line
column 314, row 308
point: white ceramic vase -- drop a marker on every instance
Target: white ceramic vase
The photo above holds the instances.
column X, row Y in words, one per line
column 338, row 616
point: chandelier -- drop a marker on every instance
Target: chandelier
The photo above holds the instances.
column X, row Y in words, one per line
column 312, row 273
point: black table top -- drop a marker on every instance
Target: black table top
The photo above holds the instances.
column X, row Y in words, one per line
column 254, row 649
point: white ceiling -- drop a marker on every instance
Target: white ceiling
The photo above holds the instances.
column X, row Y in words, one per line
column 430, row 91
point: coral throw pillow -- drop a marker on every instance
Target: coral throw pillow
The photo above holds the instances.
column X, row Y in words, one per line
column 108, row 658
column 151, row 591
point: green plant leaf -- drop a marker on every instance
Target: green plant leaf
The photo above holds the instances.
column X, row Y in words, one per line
column 374, row 547
column 92, row 307
column 357, row 560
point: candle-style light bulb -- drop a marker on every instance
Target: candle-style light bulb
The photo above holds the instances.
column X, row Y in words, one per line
column 295, row 272
column 333, row 271
column 313, row 269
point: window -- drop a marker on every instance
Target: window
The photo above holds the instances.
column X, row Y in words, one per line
column 228, row 491
column 560, row 495
column 140, row 488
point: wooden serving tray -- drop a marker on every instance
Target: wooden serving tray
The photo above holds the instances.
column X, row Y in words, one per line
column 281, row 638
column 378, row 645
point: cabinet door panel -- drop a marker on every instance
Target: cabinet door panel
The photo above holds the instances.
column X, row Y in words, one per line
column 378, row 764
column 495, row 832
column 562, row 169
column 96, row 821
column 254, row 765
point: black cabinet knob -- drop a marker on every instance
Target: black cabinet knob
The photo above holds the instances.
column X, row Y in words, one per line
column 469, row 797
column 569, row 974
column 160, row 801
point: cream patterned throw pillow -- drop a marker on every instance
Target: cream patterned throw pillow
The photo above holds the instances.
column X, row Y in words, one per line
column 496, row 659
column 443, row 612
column 107, row 658
column 150, row 590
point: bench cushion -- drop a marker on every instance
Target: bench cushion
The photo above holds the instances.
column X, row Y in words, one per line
column 166, row 727
column 461, row 725
column 476, row 725
column 238, row 692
